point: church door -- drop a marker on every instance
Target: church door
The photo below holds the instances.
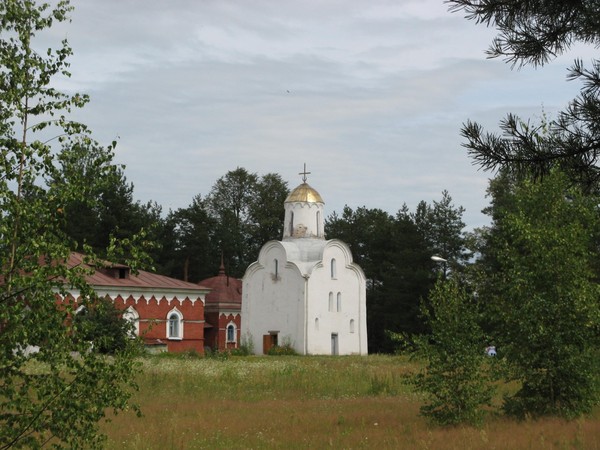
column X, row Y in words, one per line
column 269, row 340
column 334, row 344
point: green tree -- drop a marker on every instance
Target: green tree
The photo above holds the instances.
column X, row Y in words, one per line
column 456, row 379
column 442, row 226
column 534, row 32
column 197, row 253
column 229, row 202
column 104, row 209
column 247, row 209
column 48, row 397
column 412, row 278
column 395, row 259
column 102, row 325
column 266, row 211
column 540, row 294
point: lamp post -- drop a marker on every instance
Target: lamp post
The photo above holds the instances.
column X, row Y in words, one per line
column 439, row 259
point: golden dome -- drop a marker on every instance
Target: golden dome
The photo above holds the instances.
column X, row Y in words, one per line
column 304, row 193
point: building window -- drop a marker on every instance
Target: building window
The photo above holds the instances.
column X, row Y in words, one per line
column 330, row 301
column 318, row 223
column 276, row 264
column 231, row 333
column 351, row 325
column 333, row 268
column 174, row 324
column 339, row 302
column 132, row 316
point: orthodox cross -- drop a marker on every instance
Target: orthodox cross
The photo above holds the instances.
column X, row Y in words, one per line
column 304, row 174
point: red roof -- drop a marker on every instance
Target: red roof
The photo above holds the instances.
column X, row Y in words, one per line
column 224, row 289
column 119, row 275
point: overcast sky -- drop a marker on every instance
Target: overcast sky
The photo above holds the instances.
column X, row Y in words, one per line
column 370, row 95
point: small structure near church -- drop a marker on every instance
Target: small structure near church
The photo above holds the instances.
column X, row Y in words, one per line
column 222, row 311
column 304, row 290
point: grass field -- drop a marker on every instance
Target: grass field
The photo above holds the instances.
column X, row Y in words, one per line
column 310, row 402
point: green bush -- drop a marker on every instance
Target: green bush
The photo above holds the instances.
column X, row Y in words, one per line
column 101, row 323
column 215, row 353
column 455, row 380
column 282, row 350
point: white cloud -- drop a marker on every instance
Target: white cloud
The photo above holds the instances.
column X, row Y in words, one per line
column 371, row 95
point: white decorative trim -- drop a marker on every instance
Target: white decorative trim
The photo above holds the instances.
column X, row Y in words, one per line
column 138, row 293
column 146, row 295
column 226, row 313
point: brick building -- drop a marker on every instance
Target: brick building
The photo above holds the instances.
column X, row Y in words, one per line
column 166, row 312
column 222, row 311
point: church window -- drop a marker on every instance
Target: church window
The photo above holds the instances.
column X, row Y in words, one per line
column 318, row 223
column 231, row 333
column 292, row 223
column 330, row 301
column 351, row 325
column 175, row 324
column 317, row 324
column 333, row 268
column 339, row 302
column 276, row 264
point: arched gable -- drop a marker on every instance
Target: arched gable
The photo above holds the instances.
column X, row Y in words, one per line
column 281, row 252
column 333, row 249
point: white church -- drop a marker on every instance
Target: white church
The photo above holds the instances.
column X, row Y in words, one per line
column 305, row 290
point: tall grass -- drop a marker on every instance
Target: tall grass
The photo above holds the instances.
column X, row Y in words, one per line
column 309, row 402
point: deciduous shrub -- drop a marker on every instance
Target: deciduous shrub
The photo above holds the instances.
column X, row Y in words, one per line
column 455, row 379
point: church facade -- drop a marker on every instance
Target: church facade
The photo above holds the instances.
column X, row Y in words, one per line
column 305, row 291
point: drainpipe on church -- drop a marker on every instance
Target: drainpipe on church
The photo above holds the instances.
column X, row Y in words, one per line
column 305, row 276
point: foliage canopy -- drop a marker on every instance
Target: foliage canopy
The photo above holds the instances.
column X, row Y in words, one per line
column 54, row 389
column 541, row 296
column 455, row 379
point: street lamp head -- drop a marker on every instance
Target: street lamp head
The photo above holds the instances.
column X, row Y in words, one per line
column 437, row 258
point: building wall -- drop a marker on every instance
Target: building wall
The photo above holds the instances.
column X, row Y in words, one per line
column 153, row 324
column 303, row 220
column 216, row 337
column 337, row 305
column 273, row 300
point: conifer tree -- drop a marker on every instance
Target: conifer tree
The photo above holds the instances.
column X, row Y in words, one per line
column 534, row 32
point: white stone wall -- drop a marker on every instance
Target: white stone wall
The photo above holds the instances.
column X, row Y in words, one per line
column 347, row 291
column 277, row 302
column 273, row 303
column 303, row 220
